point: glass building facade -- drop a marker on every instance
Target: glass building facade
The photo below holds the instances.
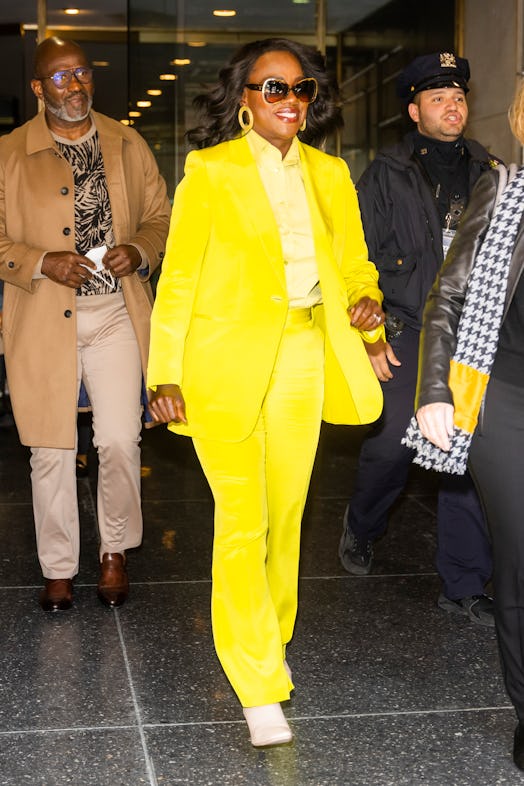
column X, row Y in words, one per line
column 151, row 57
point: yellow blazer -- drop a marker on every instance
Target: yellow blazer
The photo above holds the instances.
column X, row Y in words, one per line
column 221, row 300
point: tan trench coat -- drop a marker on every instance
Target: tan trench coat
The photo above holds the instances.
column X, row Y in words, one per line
column 37, row 215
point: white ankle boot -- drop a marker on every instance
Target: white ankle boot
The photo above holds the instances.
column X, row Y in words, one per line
column 267, row 725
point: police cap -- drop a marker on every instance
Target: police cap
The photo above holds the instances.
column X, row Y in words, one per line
column 440, row 69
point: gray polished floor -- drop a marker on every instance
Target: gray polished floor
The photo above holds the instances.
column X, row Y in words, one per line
column 389, row 689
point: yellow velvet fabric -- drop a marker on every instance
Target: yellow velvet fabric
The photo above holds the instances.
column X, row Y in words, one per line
column 222, row 294
column 260, row 486
column 255, row 376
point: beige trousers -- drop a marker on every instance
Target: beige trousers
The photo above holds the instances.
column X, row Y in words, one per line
column 109, row 364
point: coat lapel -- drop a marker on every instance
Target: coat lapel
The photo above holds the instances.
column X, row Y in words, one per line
column 244, row 184
column 317, row 185
column 38, row 135
column 318, row 182
column 111, row 145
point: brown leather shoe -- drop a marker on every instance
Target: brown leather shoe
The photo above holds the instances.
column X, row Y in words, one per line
column 113, row 586
column 57, row 595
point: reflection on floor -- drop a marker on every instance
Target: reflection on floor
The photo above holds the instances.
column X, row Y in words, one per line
column 389, row 689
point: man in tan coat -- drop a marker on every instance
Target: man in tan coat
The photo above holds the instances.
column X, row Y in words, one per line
column 84, row 217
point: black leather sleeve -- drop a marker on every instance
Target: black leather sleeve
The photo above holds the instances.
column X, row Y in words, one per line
column 445, row 302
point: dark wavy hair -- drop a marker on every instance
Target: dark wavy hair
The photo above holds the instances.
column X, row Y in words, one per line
column 219, row 107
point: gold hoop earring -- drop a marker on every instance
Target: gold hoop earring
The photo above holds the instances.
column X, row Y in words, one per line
column 303, row 126
column 245, row 125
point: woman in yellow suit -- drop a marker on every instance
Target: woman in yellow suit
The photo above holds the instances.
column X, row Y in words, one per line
column 263, row 308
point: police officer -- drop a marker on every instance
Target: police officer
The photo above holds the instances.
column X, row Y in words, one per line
column 412, row 197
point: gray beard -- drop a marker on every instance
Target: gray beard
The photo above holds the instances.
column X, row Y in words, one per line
column 61, row 112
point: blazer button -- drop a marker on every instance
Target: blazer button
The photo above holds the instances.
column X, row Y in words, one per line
column 66, row 231
column 68, row 313
column 64, row 190
column 11, row 264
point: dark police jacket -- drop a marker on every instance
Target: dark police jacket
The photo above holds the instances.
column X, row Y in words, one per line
column 402, row 224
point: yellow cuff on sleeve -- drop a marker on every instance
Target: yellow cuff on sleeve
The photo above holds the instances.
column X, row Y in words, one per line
column 372, row 336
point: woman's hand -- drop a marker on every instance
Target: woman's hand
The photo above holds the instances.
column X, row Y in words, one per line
column 167, row 403
column 436, row 423
column 381, row 355
column 367, row 314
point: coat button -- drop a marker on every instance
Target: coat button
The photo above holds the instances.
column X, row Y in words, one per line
column 64, row 190
column 11, row 264
column 68, row 313
column 66, row 231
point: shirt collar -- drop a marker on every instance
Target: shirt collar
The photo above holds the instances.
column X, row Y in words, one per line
column 427, row 144
column 264, row 152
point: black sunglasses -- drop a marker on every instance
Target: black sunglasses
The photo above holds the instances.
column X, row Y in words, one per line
column 62, row 78
column 275, row 90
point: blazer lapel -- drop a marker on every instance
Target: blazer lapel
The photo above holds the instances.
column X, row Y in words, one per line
column 317, row 185
column 243, row 181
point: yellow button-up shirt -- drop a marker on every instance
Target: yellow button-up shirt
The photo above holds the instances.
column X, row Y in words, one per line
column 284, row 185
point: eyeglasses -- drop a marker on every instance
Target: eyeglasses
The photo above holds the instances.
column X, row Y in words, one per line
column 275, row 90
column 63, row 78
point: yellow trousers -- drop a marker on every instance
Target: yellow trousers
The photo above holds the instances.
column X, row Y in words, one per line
column 260, row 487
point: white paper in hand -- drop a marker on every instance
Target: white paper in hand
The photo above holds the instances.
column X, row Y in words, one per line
column 96, row 255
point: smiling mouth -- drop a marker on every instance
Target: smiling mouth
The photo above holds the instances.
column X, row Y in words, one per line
column 288, row 115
